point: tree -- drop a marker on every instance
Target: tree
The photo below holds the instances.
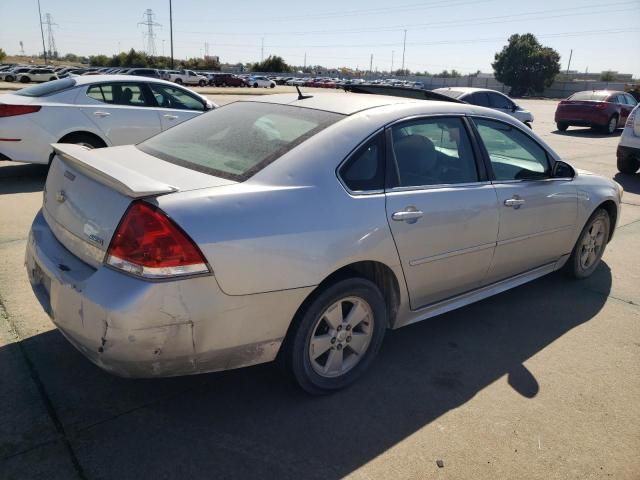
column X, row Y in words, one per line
column 525, row 65
column 272, row 63
column 607, row 76
column 2, row 54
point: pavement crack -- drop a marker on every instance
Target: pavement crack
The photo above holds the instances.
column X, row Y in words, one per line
column 46, row 400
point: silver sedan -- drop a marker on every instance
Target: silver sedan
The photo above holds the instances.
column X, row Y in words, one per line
column 302, row 228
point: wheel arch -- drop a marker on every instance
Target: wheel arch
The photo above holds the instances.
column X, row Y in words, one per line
column 612, row 210
column 86, row 133
column 377, row 272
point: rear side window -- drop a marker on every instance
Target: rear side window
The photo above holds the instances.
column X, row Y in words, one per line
column 499, row 101
column 131, row 94
column 364, row 171
column 239, row 139
column 479, row 98
column 48, row 88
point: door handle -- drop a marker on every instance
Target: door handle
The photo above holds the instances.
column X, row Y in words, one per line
column 101, row 114
column 170, row 117
column 409, row 215
column 514, row 202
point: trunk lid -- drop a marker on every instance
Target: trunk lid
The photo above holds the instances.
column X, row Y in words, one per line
column 580, row 105
column 88, row 191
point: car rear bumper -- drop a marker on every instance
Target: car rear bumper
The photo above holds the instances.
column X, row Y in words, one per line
column 625, row 152
column 137, row 328
column 23, row 140
column 582, row 119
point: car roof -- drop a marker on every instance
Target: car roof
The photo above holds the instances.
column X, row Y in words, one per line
column 468, row 89
column 600, row 92
column 344, row 103
column 82, row 80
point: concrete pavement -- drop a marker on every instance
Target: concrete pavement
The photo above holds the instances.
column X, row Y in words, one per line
column 540, row 382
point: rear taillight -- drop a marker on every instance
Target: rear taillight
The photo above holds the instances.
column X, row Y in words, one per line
column 631, row 118
column 13, row 110
column 149, row 244
column 601, row 105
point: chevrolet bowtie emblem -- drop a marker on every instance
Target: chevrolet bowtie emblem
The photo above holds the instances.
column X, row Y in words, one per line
column 61, row 197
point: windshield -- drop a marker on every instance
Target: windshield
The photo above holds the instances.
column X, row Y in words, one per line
column 47, row 88
column 239, row 139
column 590, row 96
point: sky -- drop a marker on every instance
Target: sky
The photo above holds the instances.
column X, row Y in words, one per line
column 440, row 34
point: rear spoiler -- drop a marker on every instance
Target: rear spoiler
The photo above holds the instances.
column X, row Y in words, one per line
column 116, row 176
column 405, row 92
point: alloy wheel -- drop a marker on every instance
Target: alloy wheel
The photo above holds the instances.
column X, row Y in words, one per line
column 592, row 244
column 341, row 337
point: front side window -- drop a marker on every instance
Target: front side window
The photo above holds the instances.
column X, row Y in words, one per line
column 513, row 154
column 239, row 139
column 500, row 101
column 171, row 97
column 433, row 151
column 630, row 100
column 364, row 171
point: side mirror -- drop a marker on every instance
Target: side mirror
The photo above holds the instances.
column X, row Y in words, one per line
column 563, row 170
column 208, row 106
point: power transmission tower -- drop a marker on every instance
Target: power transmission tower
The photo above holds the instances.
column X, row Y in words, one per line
column 150, row 35
column 51, row 41
column 21, row 49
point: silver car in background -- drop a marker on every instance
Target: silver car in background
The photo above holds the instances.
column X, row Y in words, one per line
column 302, row 227
column 485, row 97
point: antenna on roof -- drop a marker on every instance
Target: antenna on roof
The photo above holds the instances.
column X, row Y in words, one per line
column 300, row 95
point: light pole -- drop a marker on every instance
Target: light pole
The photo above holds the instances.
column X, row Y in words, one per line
column 404, row 47
column 171, row 31
column 44, row 49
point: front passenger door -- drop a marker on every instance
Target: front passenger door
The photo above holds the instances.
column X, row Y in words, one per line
column 175, row 105
column 537, row 213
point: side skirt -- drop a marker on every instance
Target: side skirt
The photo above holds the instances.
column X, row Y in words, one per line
column 467, row 298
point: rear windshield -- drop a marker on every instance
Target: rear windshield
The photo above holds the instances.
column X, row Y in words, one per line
column 47, row 88
column 590, row 96
column 450, row 93
column 239, row 139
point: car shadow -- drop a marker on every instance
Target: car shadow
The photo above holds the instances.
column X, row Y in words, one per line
column 253, row 423
column 32, row 177
column 629, row 181
column 587, row 132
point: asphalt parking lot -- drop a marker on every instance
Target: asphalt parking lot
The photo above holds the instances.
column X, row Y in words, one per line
column 541, row 382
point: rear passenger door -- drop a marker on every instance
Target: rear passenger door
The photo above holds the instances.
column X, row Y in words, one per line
column 122, row 111
column 441, row 209
column 537, row 213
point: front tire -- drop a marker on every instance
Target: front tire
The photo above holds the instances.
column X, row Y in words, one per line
column 255, row 85
column 562, row 126
column 336, row 336
column 25, row 80
column 528, row 124
column 590, row 246
column 202, row 83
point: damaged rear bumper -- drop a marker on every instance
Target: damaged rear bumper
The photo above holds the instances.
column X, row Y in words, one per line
column 137, row 328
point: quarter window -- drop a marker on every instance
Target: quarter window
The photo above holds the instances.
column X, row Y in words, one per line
column 433, row 151
column 513, row 154
column 365, row 169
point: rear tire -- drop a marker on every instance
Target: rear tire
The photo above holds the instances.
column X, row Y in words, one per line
column 562, row 126
column 84, row 139
column 589, row 248
column 628, row 164
column 528, row 124
column 179, row 81
column 612, row 125
column 255, row 85
column 52, row 79
column 9, row 78
column 25, row 79
column 334, row 339
column 202, row 83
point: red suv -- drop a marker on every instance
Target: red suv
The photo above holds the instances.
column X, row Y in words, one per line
column 601, row 109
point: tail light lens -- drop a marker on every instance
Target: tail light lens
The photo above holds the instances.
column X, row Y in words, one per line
column 149, row 244
column 601, row 105
column 13, row 110
column 631, row 118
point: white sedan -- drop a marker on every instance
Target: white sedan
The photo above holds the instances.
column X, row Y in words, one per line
column 263, row 82
column 95, row 111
